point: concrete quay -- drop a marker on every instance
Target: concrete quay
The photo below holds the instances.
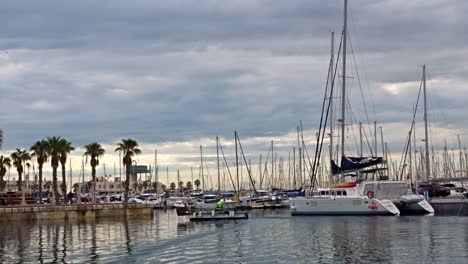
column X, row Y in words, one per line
column 83, row 211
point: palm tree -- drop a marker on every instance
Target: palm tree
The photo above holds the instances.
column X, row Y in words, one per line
column 19, row 157
column 181, row 185
column 189, row 185
column 197, row 183
column 163, row 187
column 94, row 151
column 65, row 149
column 54, row 146
column 129, row 148
column 5, row 164
column 75, row 187
column 40, row 150
column 154, row 185
column 172, row 186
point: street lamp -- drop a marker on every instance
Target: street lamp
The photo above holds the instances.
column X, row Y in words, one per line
column 133, row 171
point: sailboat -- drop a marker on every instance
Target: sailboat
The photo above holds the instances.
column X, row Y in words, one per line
column 348, row 198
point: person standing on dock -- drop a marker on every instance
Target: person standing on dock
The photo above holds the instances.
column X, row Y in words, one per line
column 220, row 204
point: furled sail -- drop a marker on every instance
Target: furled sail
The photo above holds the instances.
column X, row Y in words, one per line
column 354, row 164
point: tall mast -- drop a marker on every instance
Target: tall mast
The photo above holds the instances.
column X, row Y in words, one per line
column 201, row 164
column 425, row 125
column 343, row 91
column 217, row 157
column 156, row 176
column 360, row 139
column 237, row 164
column 332, row 51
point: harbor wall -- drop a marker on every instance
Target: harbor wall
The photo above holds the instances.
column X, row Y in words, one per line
column 35, row 213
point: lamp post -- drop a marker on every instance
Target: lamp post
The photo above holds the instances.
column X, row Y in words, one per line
column 133, row 171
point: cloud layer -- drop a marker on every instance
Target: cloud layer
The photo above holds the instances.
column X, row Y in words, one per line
column 170, row 73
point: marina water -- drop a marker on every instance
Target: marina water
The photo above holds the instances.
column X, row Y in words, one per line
column 267, row 237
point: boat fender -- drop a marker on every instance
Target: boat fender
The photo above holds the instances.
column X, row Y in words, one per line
column 370, row 194
column 373, row 206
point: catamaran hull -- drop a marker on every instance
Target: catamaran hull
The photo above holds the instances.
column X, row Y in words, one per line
column 357, row 206
column 416, row 208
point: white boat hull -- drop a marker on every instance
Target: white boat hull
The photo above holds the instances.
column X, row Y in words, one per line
column 344, row 206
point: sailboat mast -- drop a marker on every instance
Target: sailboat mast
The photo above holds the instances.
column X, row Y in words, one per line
column 217, row 158
column 425, row 125
column 332, row 51
column 343, row 91
column 237, row 164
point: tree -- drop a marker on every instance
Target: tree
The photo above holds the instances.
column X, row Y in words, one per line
column 65, row 149
column 181, row 185
column 163, row 187
column 75, row 187
column 129, row 148
column 5, row 164
column 40, row 150
column 146, row 184
column 172, row 186
column 189, row 185
column 54, row 149
column 95, row 152
column 19, row 157
column 197, row 183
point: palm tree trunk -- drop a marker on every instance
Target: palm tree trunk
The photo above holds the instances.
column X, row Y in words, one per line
column 93, row 172
column 40, row 183
column 20, row 180
column 127, row 187
column 2, row 184
column 54, row 184
column 64, row 184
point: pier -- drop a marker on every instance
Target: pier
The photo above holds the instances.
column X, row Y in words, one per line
column 34, row 213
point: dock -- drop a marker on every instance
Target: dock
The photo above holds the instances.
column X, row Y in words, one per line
column 72, row 211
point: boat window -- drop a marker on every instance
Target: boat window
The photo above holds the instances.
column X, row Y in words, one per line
column 338, row 193
column 344, row 193
column 322, row 192
column 333, row 193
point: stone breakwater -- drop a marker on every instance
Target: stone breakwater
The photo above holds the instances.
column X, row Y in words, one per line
column 34, row 213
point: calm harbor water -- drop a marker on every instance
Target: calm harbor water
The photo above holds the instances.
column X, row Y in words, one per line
column 268, row 237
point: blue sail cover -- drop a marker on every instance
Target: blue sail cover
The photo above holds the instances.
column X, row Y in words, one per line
column 354, row 163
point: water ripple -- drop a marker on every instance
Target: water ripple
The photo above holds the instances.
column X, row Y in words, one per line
column 275, row 238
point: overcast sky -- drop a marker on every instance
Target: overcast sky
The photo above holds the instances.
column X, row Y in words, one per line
column 176, row 74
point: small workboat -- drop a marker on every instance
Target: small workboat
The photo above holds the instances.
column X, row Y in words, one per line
column 218, row 215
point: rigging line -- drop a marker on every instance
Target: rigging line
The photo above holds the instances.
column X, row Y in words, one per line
column 355, row 28
column 265, row 170
column 308, row 168
column 227, row 166
column 208, row 172
column 413, row 124
column 246, row 165
column 353, row 120
column 360, row 87
column 351, row 113
column 318, row 151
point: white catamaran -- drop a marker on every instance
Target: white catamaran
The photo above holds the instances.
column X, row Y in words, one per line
column 366, row 197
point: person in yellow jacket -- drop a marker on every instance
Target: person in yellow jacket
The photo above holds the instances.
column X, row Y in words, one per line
column 220, row 204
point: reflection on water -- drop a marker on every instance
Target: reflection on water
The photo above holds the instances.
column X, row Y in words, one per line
column 269, row 236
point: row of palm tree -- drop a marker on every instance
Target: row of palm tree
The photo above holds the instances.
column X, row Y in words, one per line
column 57, row 149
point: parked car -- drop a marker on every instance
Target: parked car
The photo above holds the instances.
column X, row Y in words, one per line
column 434, row 189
